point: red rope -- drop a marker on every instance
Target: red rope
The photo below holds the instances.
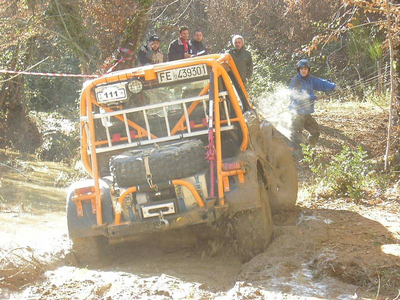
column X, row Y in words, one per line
column 47, row 74
column 129, row 57
column 126, row 55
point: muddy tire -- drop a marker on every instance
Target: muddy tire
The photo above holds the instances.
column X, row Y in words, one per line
column 82, row 226
column 254, row 227
column 89, row 251
column 178, row 160
column 281, row 176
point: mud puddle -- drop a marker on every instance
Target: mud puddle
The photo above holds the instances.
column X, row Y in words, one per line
column 42, row 232
column 314, row 254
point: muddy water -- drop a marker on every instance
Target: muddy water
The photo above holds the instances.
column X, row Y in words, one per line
column 139, row 271
column 315, row 253
column 44, row 233
column 32, row 186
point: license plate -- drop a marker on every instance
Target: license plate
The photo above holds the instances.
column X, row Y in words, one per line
column 111, row 93
column 182, row 73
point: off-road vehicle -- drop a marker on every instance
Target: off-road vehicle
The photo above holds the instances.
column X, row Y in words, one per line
column 176, row 145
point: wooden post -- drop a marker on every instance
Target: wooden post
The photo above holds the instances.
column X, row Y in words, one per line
column 389, row 131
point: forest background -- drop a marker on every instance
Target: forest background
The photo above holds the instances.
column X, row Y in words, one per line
column 355, row 43
column 346, row 41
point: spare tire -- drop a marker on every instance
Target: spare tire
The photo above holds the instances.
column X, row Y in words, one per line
column 172, row 161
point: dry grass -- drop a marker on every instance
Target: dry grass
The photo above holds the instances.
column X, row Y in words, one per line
column 19, row 267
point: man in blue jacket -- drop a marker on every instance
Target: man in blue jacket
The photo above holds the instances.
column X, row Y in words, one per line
column 302, row 104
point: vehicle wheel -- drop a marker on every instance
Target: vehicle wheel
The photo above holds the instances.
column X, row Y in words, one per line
column 82, row 226
column 254, row 227
column 173, row 161
column 89, row 251
column 281, row 176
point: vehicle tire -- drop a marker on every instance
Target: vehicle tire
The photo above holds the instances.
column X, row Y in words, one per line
column 281, row 176
column 82, row 226
column 254, row 227
column 173, row 161
column 89, row 251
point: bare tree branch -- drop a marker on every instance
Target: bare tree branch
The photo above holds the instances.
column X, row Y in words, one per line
column 3, row 20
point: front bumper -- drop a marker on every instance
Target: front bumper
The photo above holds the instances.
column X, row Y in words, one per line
column 132, row 230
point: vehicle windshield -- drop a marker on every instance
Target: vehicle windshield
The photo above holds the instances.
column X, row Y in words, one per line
column 167, row 93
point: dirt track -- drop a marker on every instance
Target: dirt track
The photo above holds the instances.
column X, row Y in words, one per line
column 331, row 250
column 315, row 253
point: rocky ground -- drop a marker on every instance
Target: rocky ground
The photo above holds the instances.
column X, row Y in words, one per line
column 325, row 248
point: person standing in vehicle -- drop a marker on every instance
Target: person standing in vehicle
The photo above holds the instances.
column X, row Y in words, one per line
column 180, row 48
column 242, row 58
column 302, row 101
column 150, row 54
column 196, row 44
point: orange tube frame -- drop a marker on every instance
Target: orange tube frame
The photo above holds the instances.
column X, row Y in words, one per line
column 121, row 202
column 143, row 132
column 86, row 109
column 192, row 107
column 174, row 182
column 191, row 188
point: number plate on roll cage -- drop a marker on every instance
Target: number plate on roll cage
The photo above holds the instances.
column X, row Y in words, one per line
column 111, row 93
column 182, row 73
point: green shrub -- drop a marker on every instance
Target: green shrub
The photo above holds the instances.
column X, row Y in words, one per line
column 347, row 173
column 271, row 69
column 312, row 158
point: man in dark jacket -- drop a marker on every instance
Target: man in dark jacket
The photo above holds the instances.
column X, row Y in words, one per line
column 242, row 58
column 302, row 101
column 180, row 48
column 196, row 44
column 150, row 54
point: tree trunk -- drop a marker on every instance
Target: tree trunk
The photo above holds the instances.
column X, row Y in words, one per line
column 133, row 34
column 69, row 23
column 7, row 79
column 20, row 132
column 396, row 111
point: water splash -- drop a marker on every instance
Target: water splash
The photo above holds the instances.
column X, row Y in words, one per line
column 274, row 107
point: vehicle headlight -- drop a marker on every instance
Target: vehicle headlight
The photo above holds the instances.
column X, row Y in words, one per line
column 135, row 86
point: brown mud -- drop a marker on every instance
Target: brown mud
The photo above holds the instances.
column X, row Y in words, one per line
column 329, row 249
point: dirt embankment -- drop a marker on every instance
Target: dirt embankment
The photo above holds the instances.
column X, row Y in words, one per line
column 332, row 249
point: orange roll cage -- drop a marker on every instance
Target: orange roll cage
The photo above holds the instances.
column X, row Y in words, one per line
column 218, row 64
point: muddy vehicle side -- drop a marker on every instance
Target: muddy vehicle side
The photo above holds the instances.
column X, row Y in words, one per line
column 175, row 145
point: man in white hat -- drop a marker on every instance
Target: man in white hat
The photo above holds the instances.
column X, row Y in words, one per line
column 242, row 58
